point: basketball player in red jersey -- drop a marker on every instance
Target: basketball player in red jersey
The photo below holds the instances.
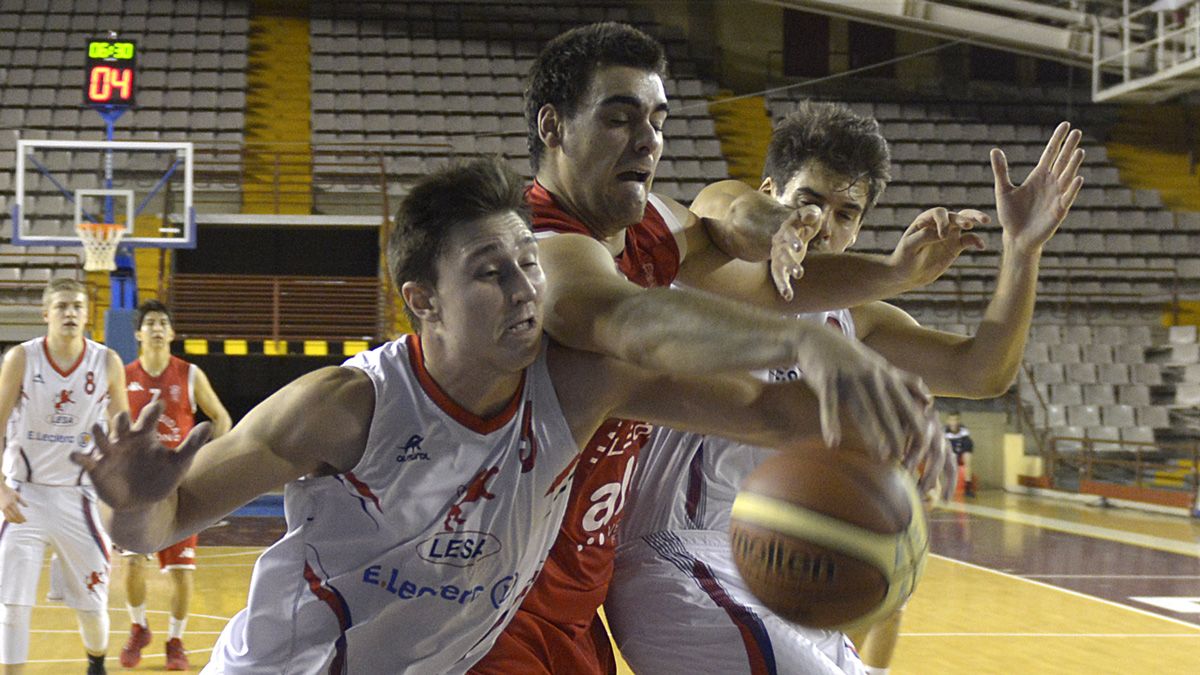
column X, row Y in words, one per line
column 181, row 386
column 595, row 107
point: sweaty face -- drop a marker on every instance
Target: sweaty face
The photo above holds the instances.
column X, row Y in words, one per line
column 156, row 330
column 65, row 314
column 489, row 293
column 841, row 200
column 611, row 146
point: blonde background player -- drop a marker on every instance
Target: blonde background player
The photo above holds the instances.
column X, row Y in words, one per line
column 55, row 393
column 158, row 376
column 675, row 543
column 426, row 479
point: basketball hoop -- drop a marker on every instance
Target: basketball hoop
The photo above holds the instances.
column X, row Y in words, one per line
column 100, row 242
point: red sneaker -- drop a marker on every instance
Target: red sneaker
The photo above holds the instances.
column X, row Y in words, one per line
column 176, row 657
column 131, row 653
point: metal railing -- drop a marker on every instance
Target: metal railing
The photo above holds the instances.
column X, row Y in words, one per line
column 278, row 307
column 1146, row 461
column 299, row 171
column 1154, row 50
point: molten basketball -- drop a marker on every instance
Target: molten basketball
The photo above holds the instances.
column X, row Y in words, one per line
column 829, row 539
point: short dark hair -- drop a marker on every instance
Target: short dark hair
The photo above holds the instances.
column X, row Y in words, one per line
column 831, row 133
column 459, row 192
column 151, row 306
column 564, row 69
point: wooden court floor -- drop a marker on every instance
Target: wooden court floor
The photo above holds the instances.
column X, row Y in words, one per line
column 1015, row 585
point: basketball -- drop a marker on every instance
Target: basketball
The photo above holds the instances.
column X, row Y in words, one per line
column 829, row 539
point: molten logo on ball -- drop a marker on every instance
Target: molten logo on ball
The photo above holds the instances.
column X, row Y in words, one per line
column 773, row 556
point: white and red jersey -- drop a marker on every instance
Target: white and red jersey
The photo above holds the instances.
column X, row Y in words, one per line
column 175, row 386
column 55, row 413
column 416, row 559
column 688, row 481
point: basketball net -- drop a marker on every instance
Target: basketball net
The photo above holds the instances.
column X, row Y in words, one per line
column 100, row 241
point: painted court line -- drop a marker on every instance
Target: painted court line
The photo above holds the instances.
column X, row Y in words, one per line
column 1068, row 591
column 1054, row 635
column 144, row 656
column 1112, row 576
column 1095, row 531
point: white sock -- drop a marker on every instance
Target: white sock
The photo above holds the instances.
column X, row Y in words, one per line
column 138, row 615
column 876, row 670
column 93, row 626
column 175, row 628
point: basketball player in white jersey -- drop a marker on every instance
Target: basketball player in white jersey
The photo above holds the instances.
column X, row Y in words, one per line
column 675, row 542
column 426, row 479
column 56, row 391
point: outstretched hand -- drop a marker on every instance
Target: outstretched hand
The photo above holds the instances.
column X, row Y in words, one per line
column 1031, row 212
column 889, row 406
column 929, row 457
column 130, row 468
column 789, row 246
column 934, row 241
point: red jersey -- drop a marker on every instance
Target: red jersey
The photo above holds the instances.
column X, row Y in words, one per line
column 174, row 385
column 556, row 629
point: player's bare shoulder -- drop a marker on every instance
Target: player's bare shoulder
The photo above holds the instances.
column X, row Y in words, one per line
column 14, row 358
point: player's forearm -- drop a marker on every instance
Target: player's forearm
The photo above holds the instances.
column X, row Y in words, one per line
column 840, row 280
column 688, row 332
column 143, row 530
column 222, row 423
column 990, row 365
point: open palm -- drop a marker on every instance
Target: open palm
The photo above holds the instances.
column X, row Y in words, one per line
column 1031, row 212
column 131, row 469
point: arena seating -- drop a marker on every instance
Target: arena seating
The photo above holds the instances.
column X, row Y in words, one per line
column 456, row 76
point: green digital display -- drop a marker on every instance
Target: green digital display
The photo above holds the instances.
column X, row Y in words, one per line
column 103, row 49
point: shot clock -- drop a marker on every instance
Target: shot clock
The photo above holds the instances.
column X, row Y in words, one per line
column 111, row 73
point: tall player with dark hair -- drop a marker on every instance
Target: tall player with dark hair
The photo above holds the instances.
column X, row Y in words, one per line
column 595, row 108
column 55, row 393
column 158, row 376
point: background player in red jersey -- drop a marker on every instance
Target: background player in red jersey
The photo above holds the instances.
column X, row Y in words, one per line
column 181, row 386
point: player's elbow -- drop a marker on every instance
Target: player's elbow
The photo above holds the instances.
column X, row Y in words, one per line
column 983, row 385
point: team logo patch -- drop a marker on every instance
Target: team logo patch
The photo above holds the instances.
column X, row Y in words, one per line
column 93, row 580
column 470, row 493
column 411, row 450
column 458, row 549
column 61, row 417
